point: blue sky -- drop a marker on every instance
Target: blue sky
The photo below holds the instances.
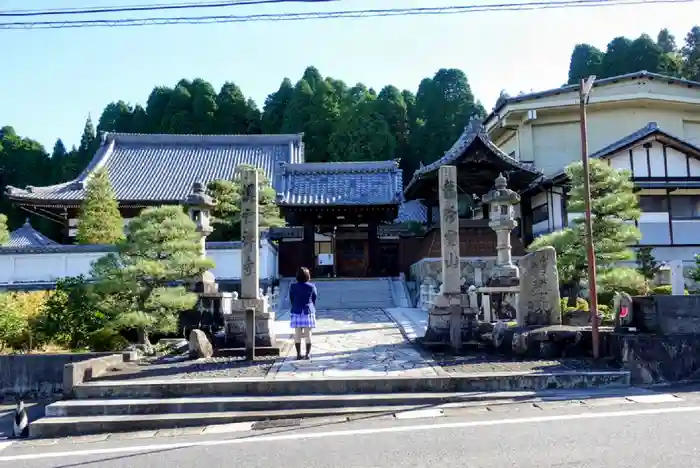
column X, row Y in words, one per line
column 53, row 79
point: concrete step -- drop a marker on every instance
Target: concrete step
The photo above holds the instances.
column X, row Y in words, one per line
column 371, row 293
column 488, row 382
column 139, row 406
column 82, row 417
column 84, row 425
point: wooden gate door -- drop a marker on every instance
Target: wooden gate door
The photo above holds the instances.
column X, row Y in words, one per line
column 352, row 258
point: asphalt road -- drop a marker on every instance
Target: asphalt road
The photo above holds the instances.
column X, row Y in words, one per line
column 564, row 435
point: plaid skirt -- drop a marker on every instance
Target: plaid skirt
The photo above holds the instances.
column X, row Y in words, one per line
column 303, row 321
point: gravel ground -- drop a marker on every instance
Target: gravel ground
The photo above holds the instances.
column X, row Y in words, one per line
column 180, row 367
column 484, row 362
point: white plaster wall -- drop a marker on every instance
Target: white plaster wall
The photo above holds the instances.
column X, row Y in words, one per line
column 48, row 267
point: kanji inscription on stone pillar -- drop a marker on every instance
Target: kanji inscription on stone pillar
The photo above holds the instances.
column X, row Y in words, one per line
column 449, row 230
column 250, row 235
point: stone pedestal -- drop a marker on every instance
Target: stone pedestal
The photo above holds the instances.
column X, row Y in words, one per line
column 264, row 324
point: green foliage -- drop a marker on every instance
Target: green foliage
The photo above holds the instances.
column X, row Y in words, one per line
column 100, row 221
column 226, row 214
column 665, row 290
column 624, row 55
column 620, row 279
column 73, row 313
column 160, row 249
column 614, row 207
column 581, row 304
column 4, row 233
column 20, row 313
column 647, row 265
column 695, row 273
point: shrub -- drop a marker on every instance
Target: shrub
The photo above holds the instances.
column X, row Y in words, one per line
column 664, row 290
column 19, row 315
column 73, row 313
column 581, row 304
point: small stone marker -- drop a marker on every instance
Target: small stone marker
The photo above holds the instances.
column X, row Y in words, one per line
column 539, row 301
column 622, row 303
column 200, row 346
column 677, row 280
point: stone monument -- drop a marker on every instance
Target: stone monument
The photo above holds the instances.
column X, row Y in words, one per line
column 539, row 302
column 250, row 297
column 451, row 318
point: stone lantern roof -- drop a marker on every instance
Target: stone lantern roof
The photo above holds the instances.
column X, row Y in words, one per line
column 198, row 198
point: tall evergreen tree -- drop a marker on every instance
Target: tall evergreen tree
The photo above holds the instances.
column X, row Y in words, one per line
column 275, row 107
column 100, row 221
column 88, row 145
column 691, row 54
column 585, row 60
column 617, row 59
column 614, row 208
column 226, row 213
column 666, row 41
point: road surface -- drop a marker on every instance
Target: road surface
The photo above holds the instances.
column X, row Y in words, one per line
column 658, row 432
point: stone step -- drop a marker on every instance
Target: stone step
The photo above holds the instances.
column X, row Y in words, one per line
column 82, row 417
column 84, row 425
column 116, row 407
column 454, row 382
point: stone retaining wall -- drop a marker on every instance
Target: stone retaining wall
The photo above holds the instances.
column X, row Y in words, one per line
column 658, row 359
column 36, row 375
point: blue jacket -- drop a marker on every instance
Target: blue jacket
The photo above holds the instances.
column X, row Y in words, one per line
column 303, row 298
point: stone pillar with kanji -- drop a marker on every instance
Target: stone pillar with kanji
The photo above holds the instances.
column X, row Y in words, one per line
column 250, row 296
column 447, row 319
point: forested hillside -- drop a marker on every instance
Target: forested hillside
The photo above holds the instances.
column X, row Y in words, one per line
column 340, row 122
column 624, row 55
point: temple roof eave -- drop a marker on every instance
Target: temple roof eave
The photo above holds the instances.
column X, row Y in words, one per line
column 473, row 134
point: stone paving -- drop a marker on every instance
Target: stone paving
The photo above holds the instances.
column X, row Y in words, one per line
column 355, row 343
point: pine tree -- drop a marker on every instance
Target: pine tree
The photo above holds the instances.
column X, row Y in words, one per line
column 614, row 208
column 100, row 221
column 647, row 265
column 160, row 248
column 226, row 214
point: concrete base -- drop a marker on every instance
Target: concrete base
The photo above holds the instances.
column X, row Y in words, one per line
column 440, row 319
column 235, row 330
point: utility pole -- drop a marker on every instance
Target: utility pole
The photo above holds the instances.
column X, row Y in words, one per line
column 584, row 92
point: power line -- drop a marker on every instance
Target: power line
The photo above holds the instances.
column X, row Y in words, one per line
column 152, row 7
column 444, row 10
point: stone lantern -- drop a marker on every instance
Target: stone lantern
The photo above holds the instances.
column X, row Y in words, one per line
column 502, row 220
column 199, row 206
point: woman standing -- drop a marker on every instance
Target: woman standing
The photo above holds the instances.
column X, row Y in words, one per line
column 302, row 296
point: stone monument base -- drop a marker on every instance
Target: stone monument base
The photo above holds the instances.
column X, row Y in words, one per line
column 440, row 319
column 235, row 329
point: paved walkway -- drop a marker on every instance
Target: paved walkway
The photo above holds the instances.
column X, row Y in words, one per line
column 355, row 343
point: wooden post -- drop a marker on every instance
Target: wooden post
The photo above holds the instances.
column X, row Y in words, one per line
column 250, row 334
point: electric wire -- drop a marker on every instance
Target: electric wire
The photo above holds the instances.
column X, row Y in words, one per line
column 151, row 7
column 344, row 14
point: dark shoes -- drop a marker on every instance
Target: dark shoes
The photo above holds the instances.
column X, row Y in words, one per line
column 308, row 351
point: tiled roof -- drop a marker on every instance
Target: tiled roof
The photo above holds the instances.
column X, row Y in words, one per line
column 600, row 82
column 414, row 210
column 27, row 236
column 474, row 131
column 340, row 184
column 162, row 168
